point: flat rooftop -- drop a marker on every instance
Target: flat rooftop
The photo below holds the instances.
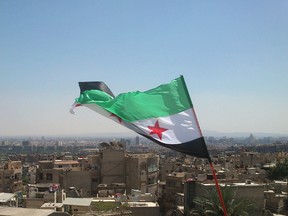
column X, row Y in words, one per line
column 141, row 204
column 77, row 201
column 5, row 197
column 10, row 211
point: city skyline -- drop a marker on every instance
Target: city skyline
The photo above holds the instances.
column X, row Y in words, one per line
column 233, row 56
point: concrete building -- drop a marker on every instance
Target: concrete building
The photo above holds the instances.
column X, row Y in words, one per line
column 82, row 174
column 29, row 173
column 136, row 203
column 46, row 173
column 9, row 199
column 142, row 208
column 167, row 166
column 276, row 198
column 137, row 140
column 142, row 172
column 276, row 203
column 81, row 180
column 32, row 173
column 110, row 167
column 11, row 177
column 251, row 159
column 38, row 194
column 75, row 205
column 10, row 211
column 111, row 190
column 112, row 163
column 174, row 184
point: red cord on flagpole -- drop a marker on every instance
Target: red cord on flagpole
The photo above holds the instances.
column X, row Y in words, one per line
column 209, row 159
column 213, row 173
column 218, row 188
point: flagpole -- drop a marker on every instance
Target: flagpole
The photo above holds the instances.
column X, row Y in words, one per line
column 213, row 171
column 209, row 158
column 218, row 187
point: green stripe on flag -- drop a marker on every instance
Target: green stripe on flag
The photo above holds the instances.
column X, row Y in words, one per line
column 164, row 100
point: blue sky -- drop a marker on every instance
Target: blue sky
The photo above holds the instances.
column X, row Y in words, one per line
column 232, row 54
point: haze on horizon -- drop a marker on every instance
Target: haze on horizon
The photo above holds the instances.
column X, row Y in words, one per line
column 233, row 56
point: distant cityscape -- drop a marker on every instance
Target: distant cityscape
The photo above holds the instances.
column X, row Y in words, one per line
column 131, row 175
column 78, row 144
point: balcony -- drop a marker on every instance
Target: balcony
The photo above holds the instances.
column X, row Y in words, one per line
column 152, row 168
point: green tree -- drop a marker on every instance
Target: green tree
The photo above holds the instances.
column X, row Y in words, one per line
column 209, row 204
column 279, row 172
column 25, row 180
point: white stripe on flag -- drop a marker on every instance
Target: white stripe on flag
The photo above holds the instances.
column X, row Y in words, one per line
column 181, row 127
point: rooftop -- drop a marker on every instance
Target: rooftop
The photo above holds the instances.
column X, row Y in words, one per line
column 58, row 162
column 10, row 211
column 51, row 205
column 78, row 201
column 141, row 204
column 5, row 197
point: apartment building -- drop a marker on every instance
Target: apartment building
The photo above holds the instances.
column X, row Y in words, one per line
column 82, row 174
column 112, row 165
column 167, row 166
column 142, row 172
column 11, row 177
column 174, row 185
column 251, row 159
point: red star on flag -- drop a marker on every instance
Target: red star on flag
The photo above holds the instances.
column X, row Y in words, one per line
column 156, row 129
column 119, row 119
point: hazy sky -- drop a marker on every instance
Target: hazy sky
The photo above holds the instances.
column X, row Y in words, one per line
column 232, row 54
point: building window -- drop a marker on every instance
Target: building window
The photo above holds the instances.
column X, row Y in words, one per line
column 49, row 176
column 178, row 184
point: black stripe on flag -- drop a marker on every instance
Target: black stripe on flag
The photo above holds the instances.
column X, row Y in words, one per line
column 196, row 148
column 84, row 86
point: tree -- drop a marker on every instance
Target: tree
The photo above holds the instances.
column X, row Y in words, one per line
column 279, row 172
column 209, row 204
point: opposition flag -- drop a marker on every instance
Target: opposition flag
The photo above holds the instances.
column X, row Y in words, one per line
column 163, row 114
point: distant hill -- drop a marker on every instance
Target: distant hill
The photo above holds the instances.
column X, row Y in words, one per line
column 206, row 133
column 241, row 134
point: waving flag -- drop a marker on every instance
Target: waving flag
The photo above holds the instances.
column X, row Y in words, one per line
column 163, row 114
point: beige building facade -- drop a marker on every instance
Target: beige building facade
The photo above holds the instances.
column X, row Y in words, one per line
column 142, row 172
column 83, row 174
column 11, row 177
column 112, row 166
